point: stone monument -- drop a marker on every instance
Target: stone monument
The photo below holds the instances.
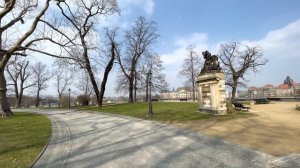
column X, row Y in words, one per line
column 211, row 86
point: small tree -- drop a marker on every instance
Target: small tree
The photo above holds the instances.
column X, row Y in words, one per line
column 190, row 69
column 138, row 42
column 41, row 76
column 237, row 60
column 84, row 85
column 63, row 77
column 18, row 74
column 159, row 82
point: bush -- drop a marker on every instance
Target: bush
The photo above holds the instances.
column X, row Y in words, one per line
column 84, row 100
column 298, row 107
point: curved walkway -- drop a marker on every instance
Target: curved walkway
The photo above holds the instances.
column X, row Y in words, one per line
column 82, row 139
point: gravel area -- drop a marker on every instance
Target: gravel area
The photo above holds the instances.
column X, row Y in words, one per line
column 275, row 129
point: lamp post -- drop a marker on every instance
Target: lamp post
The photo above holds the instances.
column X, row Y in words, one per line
column 69, row 98
column 149, row 77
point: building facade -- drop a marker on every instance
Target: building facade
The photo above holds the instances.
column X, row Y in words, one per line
column 180, row 94
column 269, row 91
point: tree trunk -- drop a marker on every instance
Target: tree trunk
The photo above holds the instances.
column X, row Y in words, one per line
column 147, row 89
column 95, row 87
column 59, row 100
column 4, row 105
column 233, row 93
column 19, row 101
column 130, row 91
column 193, row 87
column 193, row 76
column 20, row 96
column 17, row 105
column 106, row 72
column 135, row 88
column 90, row 72
column 37, row 103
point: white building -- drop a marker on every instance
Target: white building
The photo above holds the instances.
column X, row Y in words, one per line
column 180, row 94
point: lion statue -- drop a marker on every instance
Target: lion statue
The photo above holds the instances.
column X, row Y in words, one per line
column 211, row 63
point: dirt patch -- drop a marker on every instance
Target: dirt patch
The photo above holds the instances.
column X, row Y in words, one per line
column 274, row 130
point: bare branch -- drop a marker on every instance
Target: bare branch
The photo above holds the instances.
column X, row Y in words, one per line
column 237, row 60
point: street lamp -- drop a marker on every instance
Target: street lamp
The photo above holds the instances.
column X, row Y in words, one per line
column 69, row 98
column 149, row 77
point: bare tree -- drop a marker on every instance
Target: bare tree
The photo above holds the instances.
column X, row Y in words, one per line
column 237, row 60
column 13, row 14
column 110, row 35
column 138, row 42
column 159, row 82
column 84, row 84
column 18, row 72
column 82, row 17
column 41, row 76
column 63, row 77
column 190, row 69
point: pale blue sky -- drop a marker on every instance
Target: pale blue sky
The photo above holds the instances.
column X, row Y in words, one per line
column 225, row 19
column 273, row 24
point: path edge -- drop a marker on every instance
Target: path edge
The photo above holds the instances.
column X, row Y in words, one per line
column 46, row 146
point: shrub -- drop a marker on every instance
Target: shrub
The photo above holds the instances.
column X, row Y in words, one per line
column 84, row 100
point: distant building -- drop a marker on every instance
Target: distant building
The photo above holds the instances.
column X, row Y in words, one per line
column 297, row 90
column 282, row 90
column 180, row 94
column 288, row 88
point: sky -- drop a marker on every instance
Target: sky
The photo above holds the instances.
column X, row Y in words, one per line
column 272, row 24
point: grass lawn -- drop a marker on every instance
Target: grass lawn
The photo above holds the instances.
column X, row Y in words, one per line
column 163, row 111
column 22, row 137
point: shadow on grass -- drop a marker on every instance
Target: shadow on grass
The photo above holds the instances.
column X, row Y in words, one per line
column 22, row 138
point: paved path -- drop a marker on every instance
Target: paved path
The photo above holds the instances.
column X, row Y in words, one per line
column 82, row 139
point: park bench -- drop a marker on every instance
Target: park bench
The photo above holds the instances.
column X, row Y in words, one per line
column 261, row 101
column 240, row 106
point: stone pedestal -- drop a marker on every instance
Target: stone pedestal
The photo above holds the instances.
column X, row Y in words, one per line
column 211, row 90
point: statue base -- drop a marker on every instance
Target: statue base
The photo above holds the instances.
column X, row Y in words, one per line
column 211, row 90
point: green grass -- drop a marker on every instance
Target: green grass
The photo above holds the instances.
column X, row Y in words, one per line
column 163, row 111
column 22, row 137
